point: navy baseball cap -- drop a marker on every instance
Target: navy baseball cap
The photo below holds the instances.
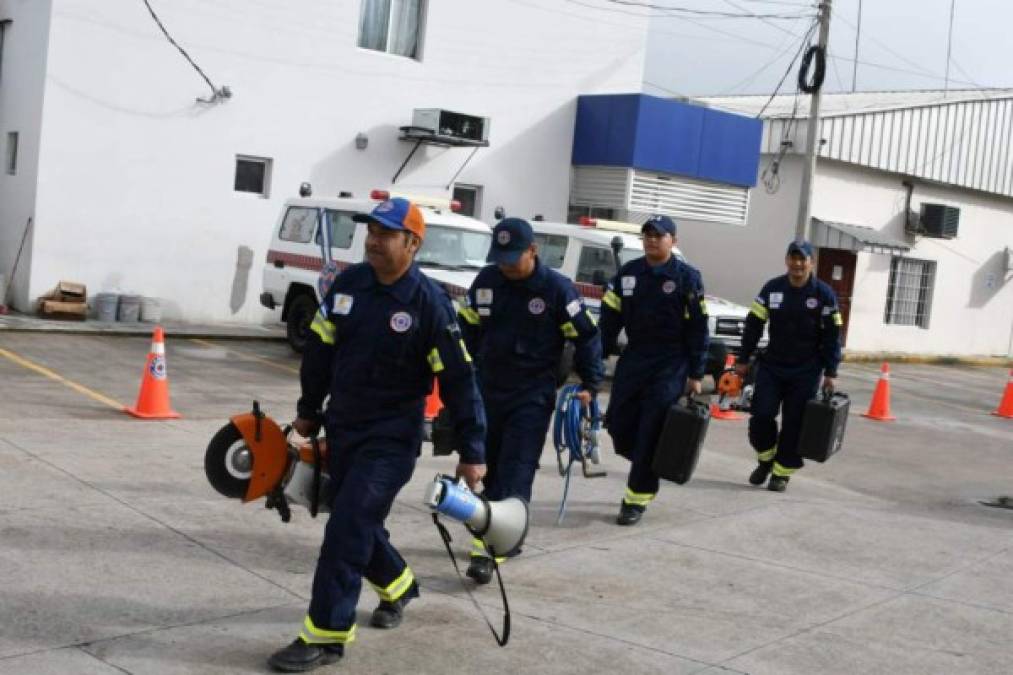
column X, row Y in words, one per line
column 800, row 247
column 510, row 238
column 396, row 214
column 660, row 224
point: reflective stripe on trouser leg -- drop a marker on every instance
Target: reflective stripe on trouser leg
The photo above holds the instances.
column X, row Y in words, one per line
column 478, row 550
column 766, row 455
column 396, row 588
column 782, row 471
column 318, row 636
column 637, row 498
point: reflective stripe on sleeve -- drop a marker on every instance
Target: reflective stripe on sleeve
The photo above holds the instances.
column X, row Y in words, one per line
column 703, row 306
column 435, row 362
column 612, row 300
column 320, row 636
column 464, row 351
column 759, row 311
column 838, row 321
column 569, row 330
column 324, row 328
column 469, row 315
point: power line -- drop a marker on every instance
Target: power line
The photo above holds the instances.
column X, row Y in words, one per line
column 756, row 73
column 216, row 94
column 671, row 10
column 881, row 66
column 801, row 48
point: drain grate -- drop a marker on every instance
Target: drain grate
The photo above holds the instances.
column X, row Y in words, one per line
column 1000, row 503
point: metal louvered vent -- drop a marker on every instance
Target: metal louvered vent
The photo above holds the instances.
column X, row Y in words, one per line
column 688, row 198
column 647, row 192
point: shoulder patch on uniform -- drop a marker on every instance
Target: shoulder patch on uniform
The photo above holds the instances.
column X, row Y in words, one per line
column 812, row 303
column 776, row 298
column 483, row 296
column 343, row 303
column 485, row 311
column 827, row 310
column 573, row 307
column 629, row 282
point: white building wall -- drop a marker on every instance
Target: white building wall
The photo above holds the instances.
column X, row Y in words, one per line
column 135, row 183
column 972, row 303
column 22, row 77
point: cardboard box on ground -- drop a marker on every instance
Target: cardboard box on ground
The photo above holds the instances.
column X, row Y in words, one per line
column 68, row 300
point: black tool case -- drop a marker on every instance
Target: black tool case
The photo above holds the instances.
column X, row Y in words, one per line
column 681, row 440
column 823, row 424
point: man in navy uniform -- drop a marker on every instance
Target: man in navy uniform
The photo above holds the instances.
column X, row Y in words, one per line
column 805, row 342
column 382, row 332
column 659, row 300
column 516, row 317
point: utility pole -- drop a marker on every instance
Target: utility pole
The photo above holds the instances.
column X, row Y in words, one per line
column 949, row 46
column 812, row 128
column 858, row 34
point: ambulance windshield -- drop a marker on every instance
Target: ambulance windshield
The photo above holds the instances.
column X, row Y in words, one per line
column 454, row 248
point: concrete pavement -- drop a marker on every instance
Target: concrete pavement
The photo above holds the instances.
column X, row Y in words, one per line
column 116, row 555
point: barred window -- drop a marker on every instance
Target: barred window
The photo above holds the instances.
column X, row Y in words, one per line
column 909, row 295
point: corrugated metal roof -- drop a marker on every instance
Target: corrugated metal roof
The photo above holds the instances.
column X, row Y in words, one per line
column 855, row 238
column 959, row 137
column 834, row 104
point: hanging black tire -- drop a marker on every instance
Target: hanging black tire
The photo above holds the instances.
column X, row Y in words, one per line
column 228, row 463
column 300, row 316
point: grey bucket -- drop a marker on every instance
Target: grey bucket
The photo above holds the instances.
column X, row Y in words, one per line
column 130, row 308
column 151, row 310
column 105, row 306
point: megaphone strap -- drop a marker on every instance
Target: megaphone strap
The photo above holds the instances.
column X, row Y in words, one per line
column 500, row 640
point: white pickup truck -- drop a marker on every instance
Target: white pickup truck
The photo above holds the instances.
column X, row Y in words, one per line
column 453, row 252
column 585, row 254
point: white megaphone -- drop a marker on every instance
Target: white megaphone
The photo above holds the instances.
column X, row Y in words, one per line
column 501, row 525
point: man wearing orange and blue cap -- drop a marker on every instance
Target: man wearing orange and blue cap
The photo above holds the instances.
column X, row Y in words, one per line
column 382, row 332
column 659, row 300
column 517, row 316
column 805, row 342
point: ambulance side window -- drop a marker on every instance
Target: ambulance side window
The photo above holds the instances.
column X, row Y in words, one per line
column 299, row 225
column 551, row 249
column 595, row 263
column 342, row 228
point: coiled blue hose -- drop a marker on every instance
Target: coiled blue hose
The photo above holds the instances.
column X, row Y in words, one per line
column 575, row 436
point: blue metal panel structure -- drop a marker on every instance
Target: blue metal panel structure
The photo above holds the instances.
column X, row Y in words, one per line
column 655, row 134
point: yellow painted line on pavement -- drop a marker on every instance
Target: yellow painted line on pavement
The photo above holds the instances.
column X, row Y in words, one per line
column 42, row 370
column 246, row 355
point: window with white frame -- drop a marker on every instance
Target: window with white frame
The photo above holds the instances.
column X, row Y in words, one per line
column 11, row 162
column 392, row 26
column 909, row 295
column 253, row 175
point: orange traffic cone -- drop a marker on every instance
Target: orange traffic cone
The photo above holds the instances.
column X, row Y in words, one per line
column 433, row 402
column 716, row 411
column 879, row 407
column 1005, row 408
column 153, row 399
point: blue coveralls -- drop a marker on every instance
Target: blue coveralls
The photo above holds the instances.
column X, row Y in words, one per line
column 516, row 330
column 805, row 339
column 665, row 315
column 375, row 350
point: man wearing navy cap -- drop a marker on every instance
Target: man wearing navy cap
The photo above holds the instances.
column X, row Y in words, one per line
column 383, row 330
column 516, row 317
column 805, row 341
column 659, row 300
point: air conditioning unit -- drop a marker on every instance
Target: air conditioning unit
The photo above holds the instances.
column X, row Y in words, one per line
column 451, row 125
column 938, row 220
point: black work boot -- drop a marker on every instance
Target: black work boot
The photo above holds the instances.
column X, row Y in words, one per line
column 629, row 514
column 760, row 473
column 480, row 569
column 388, row 614
column 778, row 483
column 300, row 656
